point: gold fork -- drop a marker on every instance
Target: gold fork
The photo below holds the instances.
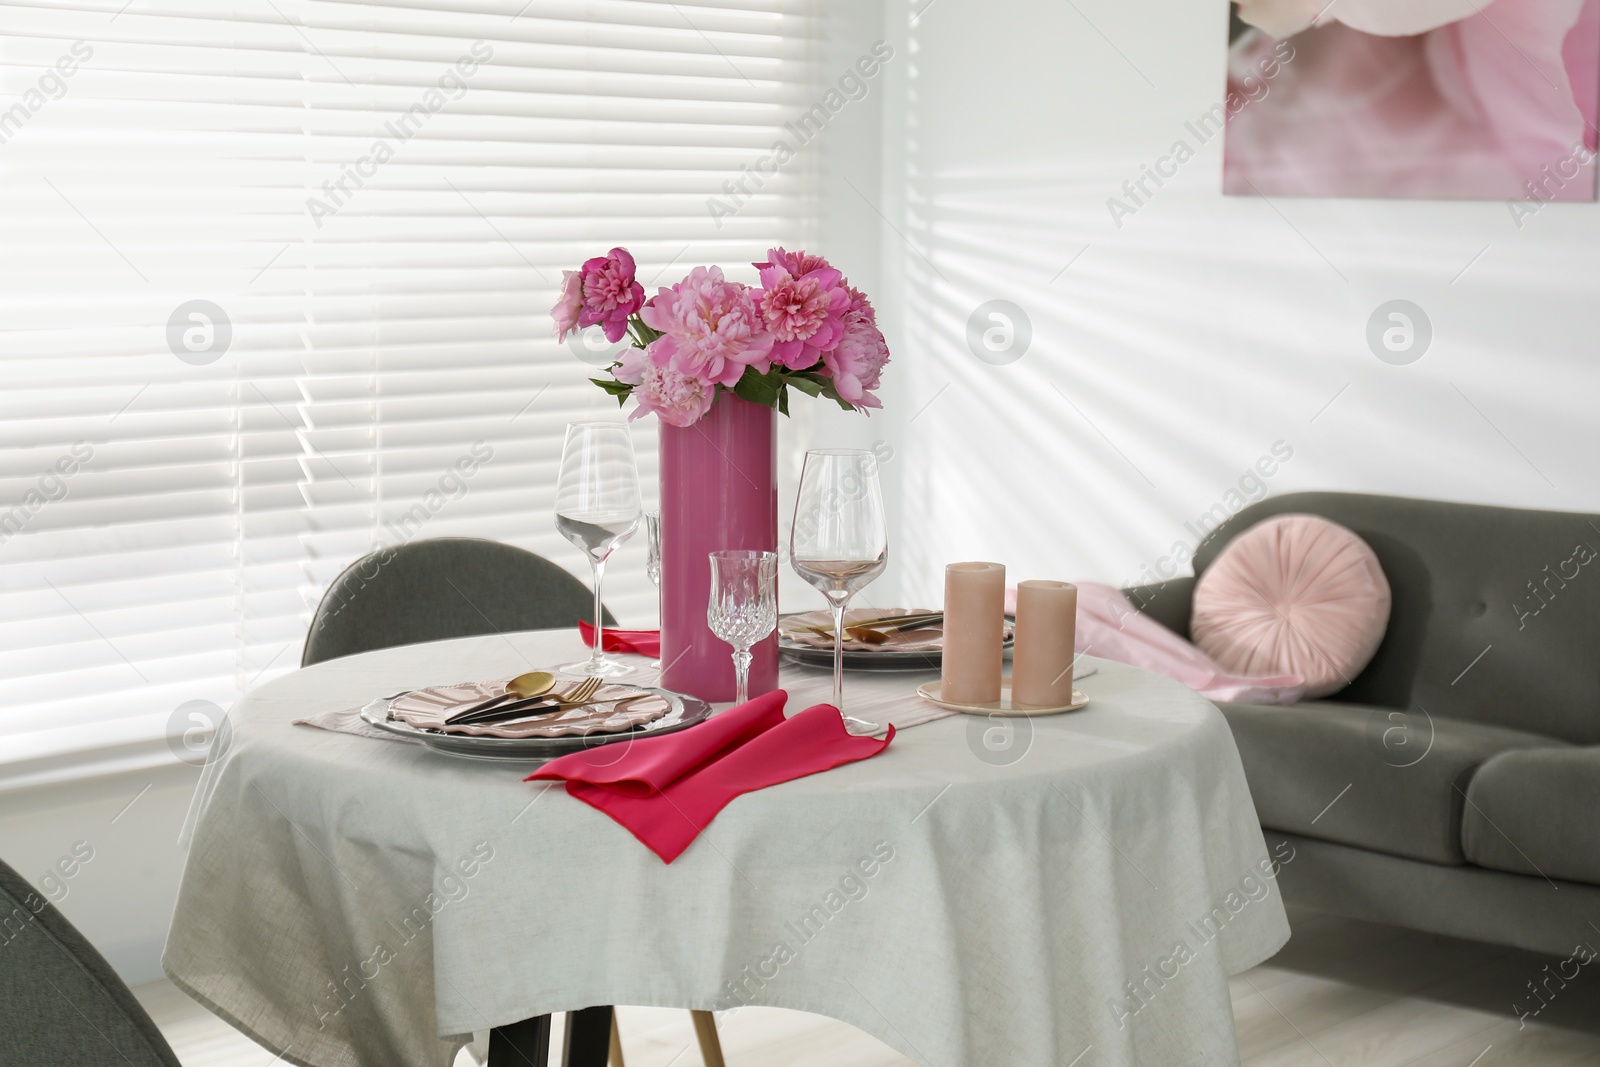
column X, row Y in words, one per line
column 580, row 693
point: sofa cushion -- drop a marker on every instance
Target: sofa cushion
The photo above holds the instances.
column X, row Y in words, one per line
column 1372, row 777
column 1294, row 594
column 1536, row 811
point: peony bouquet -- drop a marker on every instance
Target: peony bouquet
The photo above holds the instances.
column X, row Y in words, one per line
column 804, row 327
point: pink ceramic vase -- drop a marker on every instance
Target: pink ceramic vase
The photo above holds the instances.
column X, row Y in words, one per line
column 719, row 489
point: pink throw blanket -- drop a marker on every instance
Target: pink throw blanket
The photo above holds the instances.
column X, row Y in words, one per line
column 1110, row 626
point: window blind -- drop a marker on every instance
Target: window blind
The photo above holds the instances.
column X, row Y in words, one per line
column 276, row 284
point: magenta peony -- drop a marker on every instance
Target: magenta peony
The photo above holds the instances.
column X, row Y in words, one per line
column 610, row 293
column 710, row 328
column 569, row 304
column 679, row 399
column 803, row 312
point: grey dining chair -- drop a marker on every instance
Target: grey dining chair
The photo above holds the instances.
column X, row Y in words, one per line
column 60, row 1001
column 439, row 588
column 444, row 587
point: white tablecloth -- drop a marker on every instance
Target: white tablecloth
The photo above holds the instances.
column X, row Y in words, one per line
column 1077, row 890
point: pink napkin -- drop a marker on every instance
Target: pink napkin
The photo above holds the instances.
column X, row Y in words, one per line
column 644, row 642
column 665, row 790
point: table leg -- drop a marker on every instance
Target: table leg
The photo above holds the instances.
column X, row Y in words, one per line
column 705, row 1028
column 616, row 1043
column 588, row 1037
column 524, row 1044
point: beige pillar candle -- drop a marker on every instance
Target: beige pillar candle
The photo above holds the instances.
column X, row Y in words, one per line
column 1041, row 657
column 974, row 632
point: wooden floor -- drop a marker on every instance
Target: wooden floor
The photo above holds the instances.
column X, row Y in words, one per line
column 1342, row 993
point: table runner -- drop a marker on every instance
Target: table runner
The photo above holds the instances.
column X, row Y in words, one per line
column 984, row 892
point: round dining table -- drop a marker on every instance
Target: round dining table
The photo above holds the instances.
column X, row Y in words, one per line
column 1066, row 890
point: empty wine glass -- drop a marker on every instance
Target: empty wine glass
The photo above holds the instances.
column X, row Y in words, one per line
column 743, row 607
column 652, row 536
column 652, row 558
column 597, row 508
column 839, row 542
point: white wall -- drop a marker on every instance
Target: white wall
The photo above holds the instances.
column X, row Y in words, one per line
column 1176, row 350
column 127, row 825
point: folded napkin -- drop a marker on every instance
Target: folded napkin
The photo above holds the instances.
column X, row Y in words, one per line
column 665, row 790
column 644, row 642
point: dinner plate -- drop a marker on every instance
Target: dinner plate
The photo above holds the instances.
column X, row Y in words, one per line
column 901, row 660
column 684, row 712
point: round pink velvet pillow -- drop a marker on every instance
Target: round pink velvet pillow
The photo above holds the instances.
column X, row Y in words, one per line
column 1295, row 594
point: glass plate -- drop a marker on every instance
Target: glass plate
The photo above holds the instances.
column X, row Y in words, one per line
column 686, row 711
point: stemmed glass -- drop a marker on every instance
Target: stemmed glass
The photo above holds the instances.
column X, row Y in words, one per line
column 743, row 607
column 839, row 542
column 652, row 558
column 597, row 508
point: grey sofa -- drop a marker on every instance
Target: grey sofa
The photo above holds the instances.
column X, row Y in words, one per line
column 1454, row 786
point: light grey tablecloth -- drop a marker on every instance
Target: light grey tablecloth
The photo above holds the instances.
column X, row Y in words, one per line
column 1074, row 889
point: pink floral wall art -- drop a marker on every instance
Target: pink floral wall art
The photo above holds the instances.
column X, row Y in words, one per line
column 1458, row 99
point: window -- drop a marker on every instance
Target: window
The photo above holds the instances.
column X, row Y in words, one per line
column 277, row 277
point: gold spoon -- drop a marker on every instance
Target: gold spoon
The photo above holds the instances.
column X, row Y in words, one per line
column 532, row 684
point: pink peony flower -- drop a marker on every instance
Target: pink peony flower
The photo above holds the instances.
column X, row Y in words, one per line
column 678, row 399
column 796, row 263
column 803, row 312
column 565, row 313
column 856, row 364
column 860, row 306
column 610, row 293
column 711, row 328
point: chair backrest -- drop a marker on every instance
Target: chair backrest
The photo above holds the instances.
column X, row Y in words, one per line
column 60, row 1001
column 440, row 588
column 1496, row 614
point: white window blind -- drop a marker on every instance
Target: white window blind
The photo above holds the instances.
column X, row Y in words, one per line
column 276, row 284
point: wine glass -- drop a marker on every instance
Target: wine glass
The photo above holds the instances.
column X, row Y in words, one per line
column 839, row 542
column 744, row 606
column 652, row 558
column 597, row 508
column 652, row 535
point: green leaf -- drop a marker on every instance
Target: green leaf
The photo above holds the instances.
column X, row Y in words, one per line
column 758, row 388
column 783, row 400
column 809, row 384
column 614, row 387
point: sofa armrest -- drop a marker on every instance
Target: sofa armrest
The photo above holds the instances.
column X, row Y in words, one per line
column 1168, row 603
